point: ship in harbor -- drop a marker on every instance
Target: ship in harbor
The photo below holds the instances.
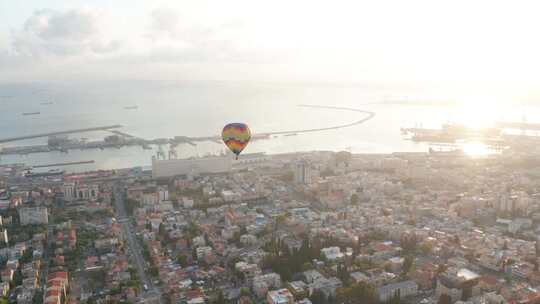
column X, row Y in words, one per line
column 52, row 172
column 450, row 133
column 30, row 113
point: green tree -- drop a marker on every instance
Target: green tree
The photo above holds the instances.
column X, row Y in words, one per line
column 408, row 242
column 307, row 266
column 343, row 274
column 244, row 292
column 220, row 299
column 287, row 176
column 38, row 297
column 182, row 260
column 356, row 294
column 26, row 257
column 354, row 199
column 441, row 268
column 444, row 299
column 162, row 231
column 17, row 277
column 318, row 297
column 426, row 248
column 154, row 271
column 408, row 263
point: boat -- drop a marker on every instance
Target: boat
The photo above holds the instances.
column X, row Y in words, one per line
column 46, row 103
column 292, row 134
column 31, row 113
column 52, row 172
column 131, row 108
column 449, row 133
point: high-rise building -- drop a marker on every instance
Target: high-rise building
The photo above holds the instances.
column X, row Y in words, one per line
column 68, row 189
column 4, row 236
column 33, row 215
column 163, row 194
column 76, row 191
column 302, row 173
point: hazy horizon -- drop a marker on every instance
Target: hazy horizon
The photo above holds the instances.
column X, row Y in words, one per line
column 457, row 50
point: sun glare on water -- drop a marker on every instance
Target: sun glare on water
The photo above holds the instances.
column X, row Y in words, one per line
column 476, row 149
column 478, row 112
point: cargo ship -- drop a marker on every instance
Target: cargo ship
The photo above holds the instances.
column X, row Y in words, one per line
column 450, row 133
column 31, row 113
column 54, row 172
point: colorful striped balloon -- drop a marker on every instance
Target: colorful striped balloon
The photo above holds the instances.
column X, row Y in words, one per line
column 236, row 136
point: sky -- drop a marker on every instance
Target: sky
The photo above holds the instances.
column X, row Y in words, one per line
column 489, row 46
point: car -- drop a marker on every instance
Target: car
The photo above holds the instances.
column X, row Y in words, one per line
column 145, row 287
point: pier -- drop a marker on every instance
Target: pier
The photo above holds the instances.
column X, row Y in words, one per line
column 83, row 162
column 266, row 135
column 519, row 125
column 124, row 139
column 369, row 116
column 32, row 136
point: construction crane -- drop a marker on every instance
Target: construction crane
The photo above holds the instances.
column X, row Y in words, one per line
column 173, row 154
column 160, row 152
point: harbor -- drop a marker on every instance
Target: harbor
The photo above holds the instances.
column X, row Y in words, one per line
column 59, row 141
column 502, row 136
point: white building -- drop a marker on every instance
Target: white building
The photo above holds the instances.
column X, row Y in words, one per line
column 150, row 198
column 253, row 158
column 263, row 283
column 203, row 252
column 248, row 239
column 68, row 189
column 401, row 289
column 75, row 191
column 173, row 167
column 332, row 253
column 302, row 173
column 281, row 296
column 229, row 195
column 163, row 194
column 33, row 215
column 518, row 224
column 187, row 202
column 4, row 236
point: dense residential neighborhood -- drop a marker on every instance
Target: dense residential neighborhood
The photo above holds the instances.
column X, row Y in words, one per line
column 318, row 228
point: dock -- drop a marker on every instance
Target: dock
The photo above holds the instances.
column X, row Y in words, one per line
column 124, row 139
column 519, row 125
column 38, row 135
column 83, row 162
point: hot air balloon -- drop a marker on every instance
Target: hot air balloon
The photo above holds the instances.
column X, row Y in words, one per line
column 236, row 136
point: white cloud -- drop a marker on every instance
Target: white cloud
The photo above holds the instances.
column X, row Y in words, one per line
column 417, row 41
column 164, row 21
column 68, row 33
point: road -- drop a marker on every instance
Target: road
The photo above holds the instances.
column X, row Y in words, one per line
column 153, row 294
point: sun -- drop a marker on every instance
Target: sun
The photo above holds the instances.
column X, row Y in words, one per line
column 476, row 149
column 478, row 112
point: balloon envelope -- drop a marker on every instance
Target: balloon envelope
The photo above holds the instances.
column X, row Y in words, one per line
column 236, row 136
